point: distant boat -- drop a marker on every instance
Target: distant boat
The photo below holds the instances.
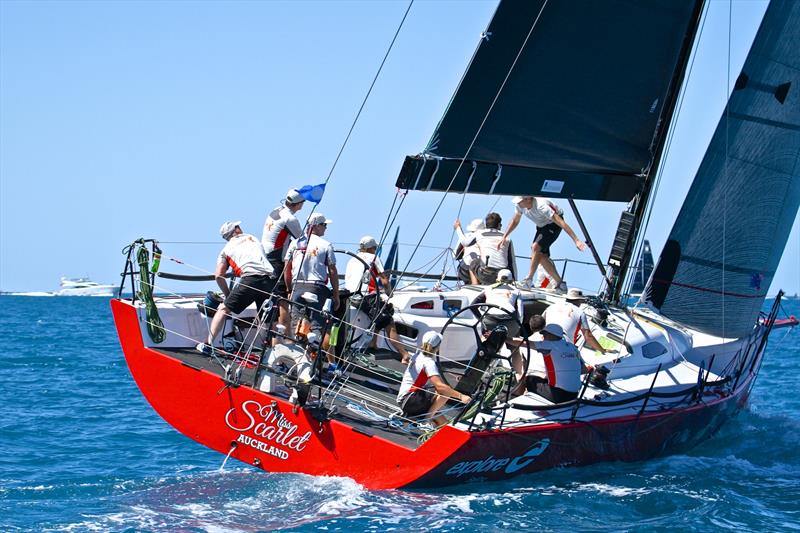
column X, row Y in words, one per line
column 84, row 287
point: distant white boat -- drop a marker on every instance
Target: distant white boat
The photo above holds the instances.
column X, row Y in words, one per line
column 84, row 287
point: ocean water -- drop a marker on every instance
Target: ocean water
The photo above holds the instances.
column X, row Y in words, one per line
column 80, row 450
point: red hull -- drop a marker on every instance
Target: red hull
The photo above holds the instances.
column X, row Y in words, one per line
column 268, row 435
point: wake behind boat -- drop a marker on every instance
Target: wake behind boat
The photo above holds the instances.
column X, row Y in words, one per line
column 669, row 370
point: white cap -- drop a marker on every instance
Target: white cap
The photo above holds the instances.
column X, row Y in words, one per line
column 226, row 230
column 475, row 225
column 432, row 339
column 554, row 329
column 504, row 275
column 317, row 219
column 517, row 199
column 294, row 197
column 366, row 242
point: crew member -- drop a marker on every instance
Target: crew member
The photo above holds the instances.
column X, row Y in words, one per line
column 245, row 256
column 495, row 252
column 373, row 304
column 310, row 266
column 554, row 371
column 467, row 252
column 549, row 221
column 508, row 299
column 414, row 398
column 570, row 316
column 280, row 227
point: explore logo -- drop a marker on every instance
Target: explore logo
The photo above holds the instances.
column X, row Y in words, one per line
column 509, row 465
column 270, row 425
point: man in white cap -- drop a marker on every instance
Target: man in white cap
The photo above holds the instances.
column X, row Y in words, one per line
column 554, row 371
column 369, row 282
column 468, row 252
column 508, row 301
column 280, row 227
column 549, row 220
column 245, row 256
column 310, row 266
column 422, row 390
column 570, row 316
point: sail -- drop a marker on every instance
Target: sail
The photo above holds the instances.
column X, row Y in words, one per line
column 722, row 252
column 644, row 267
column 580, row 111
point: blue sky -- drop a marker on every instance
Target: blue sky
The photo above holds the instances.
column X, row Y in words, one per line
column 164, row 119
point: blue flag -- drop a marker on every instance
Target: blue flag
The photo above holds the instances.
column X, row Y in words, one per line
column 312, row 193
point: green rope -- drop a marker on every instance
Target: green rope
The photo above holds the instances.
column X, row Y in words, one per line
column 496, row 385
column 155, row 328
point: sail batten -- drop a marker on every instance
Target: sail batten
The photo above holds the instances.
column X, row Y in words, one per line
column 583, row 103
column 724, row 248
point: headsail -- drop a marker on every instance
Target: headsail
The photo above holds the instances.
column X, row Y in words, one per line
column 721, row 255
column 580, row 111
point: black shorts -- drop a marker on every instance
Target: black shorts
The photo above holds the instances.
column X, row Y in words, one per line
column 278, row 264
column 309, row 309
column 540, row 386
column 417, row 403
column 487, row 275
column 547, row 235
column 492, row 321
column 250, row 289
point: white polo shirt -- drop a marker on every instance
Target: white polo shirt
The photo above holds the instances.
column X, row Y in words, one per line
column 506, row 297
column 562, row 364
column 486, row 242
column 542, row 211
column 419, row 371
column 569, row 316
column 244, row 254
column 280, row 227
column 318, row 256
column 354, row 274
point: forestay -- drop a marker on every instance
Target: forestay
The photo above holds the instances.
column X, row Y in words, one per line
column 582, row 109
column 721, row 256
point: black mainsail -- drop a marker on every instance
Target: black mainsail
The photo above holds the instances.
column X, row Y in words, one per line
column 722, row 252
column 561, row 99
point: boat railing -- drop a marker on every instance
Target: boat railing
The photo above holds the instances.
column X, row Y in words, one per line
column 493, row 393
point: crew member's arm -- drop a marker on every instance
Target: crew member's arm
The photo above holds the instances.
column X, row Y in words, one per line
column 464, row 240
column 514, row 223
column 591, row 341
column 559, row 220
column 219, row 277
column 333, row 275
column 387, row 286
column 443, row 389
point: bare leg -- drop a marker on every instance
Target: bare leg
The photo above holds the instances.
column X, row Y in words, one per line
column 437, row 404
column 217, row 322
column 536, row 257
column 285, row 319
column 550, row 268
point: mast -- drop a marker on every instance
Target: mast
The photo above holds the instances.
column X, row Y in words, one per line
column 642, row 199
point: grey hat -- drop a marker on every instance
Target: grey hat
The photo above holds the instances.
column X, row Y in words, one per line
column 576, row 294
column 318, row 218
column 226, row 230
column 367, row 242
column 294, row 197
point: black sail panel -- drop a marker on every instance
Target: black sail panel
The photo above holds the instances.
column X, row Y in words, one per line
column 582, row 103
column 730, row 234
